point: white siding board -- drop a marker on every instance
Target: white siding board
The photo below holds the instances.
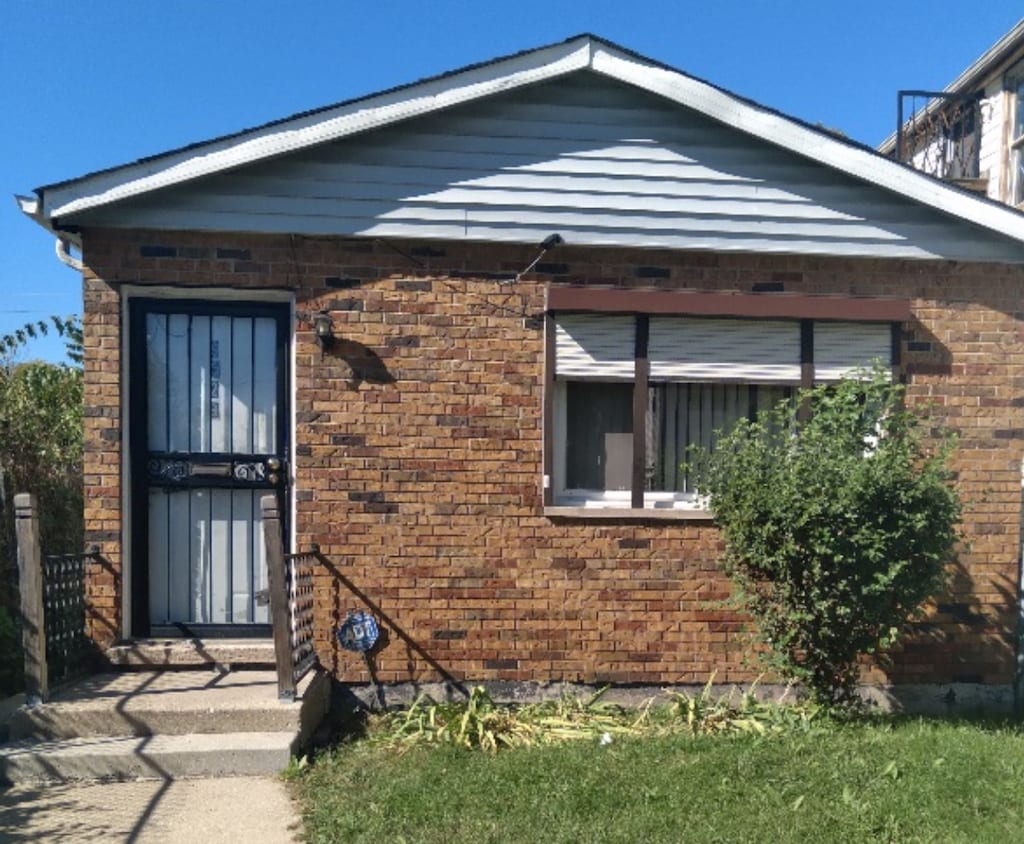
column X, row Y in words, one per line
column 990, row 156
column 591, row 159
column 530, row 231
column 623, row 229
column 421, row 184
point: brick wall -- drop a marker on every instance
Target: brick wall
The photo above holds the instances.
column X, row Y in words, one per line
column 418, row 454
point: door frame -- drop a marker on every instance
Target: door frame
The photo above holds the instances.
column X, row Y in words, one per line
column 137, row 301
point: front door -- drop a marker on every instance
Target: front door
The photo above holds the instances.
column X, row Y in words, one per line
column 208, row 432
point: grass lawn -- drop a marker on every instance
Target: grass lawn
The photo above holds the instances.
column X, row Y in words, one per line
column 913, row 780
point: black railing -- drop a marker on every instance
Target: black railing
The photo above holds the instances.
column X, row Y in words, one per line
column 291, row 602
column 299, row 581
column 68, row 648
column 939, row 133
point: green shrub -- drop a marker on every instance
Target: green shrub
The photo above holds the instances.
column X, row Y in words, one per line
column 40, row 452
column 837, row 527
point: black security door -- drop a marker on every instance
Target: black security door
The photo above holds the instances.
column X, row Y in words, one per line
column 208, row 433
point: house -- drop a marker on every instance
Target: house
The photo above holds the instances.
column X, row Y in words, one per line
column 972, row 132
column 466, row 327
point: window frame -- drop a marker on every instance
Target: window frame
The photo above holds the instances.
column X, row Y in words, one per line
column 642, row 305
column 1013, row 83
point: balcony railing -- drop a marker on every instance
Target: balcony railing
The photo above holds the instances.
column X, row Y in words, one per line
column 939, row 133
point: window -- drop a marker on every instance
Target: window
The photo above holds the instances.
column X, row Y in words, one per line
column 1015, row 86
column 631, row 393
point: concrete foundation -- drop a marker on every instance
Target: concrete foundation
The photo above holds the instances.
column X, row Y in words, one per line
column 957, row 699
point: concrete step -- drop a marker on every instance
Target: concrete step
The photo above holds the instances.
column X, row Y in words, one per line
column 167, row 703
column 192, row 653
column 147, row 757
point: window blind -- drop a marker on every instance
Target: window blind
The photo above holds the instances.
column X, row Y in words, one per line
column 700, row 349
column 595, row 346
column 842, row 347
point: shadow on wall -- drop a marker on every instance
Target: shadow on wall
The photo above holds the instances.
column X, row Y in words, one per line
column 923, row 352
column 412, row 648
column 353, row 362
column 959, row 641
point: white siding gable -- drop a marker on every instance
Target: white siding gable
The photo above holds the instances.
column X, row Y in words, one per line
column 596, row 160
column 990, row 158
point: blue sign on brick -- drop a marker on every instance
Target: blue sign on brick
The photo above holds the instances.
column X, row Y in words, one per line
column 359, row 632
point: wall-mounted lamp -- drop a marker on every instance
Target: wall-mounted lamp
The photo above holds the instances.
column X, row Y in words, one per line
column 549, row 242
column 323, row 327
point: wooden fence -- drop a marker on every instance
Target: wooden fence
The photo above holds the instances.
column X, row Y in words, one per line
column 55, row 645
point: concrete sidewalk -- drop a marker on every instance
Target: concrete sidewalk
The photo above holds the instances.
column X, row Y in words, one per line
column 210, row 811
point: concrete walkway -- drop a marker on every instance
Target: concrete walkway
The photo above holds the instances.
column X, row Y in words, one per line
column 211, row 811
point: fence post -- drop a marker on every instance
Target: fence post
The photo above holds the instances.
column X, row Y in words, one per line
column 30, row 577
column 273, row 538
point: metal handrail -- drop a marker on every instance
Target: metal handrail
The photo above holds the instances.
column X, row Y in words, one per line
column 291, row 602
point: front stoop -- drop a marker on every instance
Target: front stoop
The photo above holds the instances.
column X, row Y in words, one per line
column 191, row 653
column 164, row 725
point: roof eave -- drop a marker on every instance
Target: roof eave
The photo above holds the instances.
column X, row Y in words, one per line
column 542, row 64
column 860, row 162
column 311, row 129
column 31, row 207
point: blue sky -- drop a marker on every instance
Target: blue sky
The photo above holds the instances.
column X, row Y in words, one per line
column 89, row 85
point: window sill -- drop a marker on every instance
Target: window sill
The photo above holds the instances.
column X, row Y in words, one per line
column 630, row 514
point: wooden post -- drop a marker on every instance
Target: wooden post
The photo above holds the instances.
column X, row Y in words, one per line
column 30, row 576
column 641, row 397
column 273, row 539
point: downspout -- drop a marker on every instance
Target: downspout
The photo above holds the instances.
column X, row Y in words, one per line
column 66, row 257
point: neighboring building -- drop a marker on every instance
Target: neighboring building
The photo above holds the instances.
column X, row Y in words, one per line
column 972, row 133
column 488, row 444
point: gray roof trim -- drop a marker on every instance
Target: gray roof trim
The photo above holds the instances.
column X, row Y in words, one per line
column 483, row 80
column 995, row 55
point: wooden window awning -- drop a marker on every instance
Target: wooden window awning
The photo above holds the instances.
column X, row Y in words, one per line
column 745, row 305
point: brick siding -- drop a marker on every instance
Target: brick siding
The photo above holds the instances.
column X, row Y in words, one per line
column 418, row 454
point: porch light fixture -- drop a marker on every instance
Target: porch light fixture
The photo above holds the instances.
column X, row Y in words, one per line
column 323, row 327
column 549, row 242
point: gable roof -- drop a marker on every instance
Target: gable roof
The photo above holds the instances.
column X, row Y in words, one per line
column 58, row 201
